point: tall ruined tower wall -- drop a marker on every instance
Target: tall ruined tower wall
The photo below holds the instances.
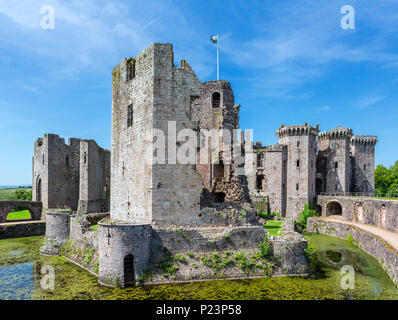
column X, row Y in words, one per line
column 275, row 164
column 94, row 191
column 56, row 164
column 160, row 95
column 363, row 164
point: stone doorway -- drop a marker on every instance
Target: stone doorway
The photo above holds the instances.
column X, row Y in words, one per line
column 129, row 273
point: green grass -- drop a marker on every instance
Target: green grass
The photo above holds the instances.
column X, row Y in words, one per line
column 274, row 227
column 19, row 215
column 8, row 194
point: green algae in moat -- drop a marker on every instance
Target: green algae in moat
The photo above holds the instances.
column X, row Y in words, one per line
column 72, row 282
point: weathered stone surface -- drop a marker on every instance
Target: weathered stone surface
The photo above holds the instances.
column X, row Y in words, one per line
column 57, row 232
column 74, row 175
column 25, row 229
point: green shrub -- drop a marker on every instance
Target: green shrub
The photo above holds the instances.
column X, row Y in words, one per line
column 305, row 214
column 264, row 247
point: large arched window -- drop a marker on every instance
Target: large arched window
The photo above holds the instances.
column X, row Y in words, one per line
column 215, row 100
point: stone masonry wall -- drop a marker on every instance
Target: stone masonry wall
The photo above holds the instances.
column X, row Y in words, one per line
column 378, row 212
column 94, row 191
column 372, row 244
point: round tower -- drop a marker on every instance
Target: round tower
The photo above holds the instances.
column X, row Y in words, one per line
column 57, row 232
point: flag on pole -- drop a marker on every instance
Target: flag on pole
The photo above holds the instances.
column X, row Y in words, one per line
column 214, row 39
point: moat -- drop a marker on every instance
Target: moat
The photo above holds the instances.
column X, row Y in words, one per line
column 20, row 257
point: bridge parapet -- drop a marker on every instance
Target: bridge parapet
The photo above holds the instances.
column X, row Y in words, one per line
column 6, row 206
column 382, row 213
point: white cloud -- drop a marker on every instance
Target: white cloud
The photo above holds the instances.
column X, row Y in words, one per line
column 370, row 100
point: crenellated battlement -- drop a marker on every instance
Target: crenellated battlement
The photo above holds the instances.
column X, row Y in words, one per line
column 339, row 133
column 297, row 130
column 364, row 140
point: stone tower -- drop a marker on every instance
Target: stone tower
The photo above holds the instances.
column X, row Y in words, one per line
column 334, row 149
column 94, row 189
column 56, row 172
column 151, row 100
column 363, row 164
column 300, row 167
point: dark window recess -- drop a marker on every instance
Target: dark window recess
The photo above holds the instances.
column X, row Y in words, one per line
column 215, row 100
column 129, row 274
column 130, row 69
column 297, row 186
column 130, row 115
column 298, row 144
column 67, row 161
column 298, row 163
column 219, row 197
column 336, row 165
column 259, row 182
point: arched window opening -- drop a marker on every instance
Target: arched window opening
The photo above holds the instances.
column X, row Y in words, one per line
column 215, row 100
column 334, row 209
column 38, row 190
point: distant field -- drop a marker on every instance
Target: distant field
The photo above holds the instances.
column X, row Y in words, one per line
column 8, row 194
column 19, row 215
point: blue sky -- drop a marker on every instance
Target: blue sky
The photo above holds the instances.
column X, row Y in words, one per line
column 288, row 62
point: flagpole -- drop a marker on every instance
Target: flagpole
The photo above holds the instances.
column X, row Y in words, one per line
column 218, row 59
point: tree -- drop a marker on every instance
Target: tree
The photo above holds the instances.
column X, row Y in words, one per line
column 386, row 180
column 24, row 194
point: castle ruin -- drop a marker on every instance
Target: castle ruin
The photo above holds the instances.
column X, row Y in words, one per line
column 147, row 205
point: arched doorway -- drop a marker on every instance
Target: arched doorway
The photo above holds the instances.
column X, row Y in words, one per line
column 359, row 213
column 318, row 210
column 334, row 209
column 383, row 217
column 38, row 190
column 129, row 273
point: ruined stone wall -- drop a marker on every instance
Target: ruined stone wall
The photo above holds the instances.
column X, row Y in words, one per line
column 56, row 164
column 40, row 171
column 142, row 192
column 131, row 172
column 275, row 178
column 363, row 164
column 176, row 187
column 301, row 166
column 94, row 191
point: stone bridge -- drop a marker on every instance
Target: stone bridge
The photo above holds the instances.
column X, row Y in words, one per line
column 6, row 206
column 377, row 212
